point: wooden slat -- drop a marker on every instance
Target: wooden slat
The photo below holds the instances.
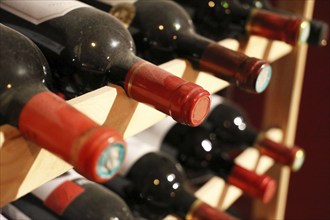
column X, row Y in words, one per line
column 282, row 108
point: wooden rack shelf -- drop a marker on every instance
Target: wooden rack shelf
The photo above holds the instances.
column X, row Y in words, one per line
column 25, row 166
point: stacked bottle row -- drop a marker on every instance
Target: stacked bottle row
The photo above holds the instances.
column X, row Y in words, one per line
column 72, row 48
column 164, row 164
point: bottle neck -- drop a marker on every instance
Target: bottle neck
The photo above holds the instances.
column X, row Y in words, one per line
column 192, row 46
column 290, row 29
column 318, row 29
column 293, row 156
column 184, row 101
column 184, row 200
column 248, row 73
column 45, row 118
column 262, row 187
column 65, row 194
column 203, row 211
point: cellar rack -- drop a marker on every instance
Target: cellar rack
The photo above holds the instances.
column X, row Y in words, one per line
column 25, row 166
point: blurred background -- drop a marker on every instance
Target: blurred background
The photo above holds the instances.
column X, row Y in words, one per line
column 309, row 189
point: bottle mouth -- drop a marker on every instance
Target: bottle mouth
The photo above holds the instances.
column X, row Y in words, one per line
column 304, row 32
column 101, row 156
column 299, row 158
column 190, row 104
column 200, row 110
column 110, row 161
column 263, row 79
column 256, row 75
column 262, row 187
column 268, row 186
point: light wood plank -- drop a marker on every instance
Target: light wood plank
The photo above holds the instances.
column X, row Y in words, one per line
column 282, row 108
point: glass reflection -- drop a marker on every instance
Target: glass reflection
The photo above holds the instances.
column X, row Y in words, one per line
column 170, row 177
column 207, row 145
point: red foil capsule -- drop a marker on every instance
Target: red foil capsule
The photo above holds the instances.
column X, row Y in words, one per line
column 290, row 29
column 262, row 187
column 96, row 152
column 186, row 102
column 293, row 157
column 248, row 73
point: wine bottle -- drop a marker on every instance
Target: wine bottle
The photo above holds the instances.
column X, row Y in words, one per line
column 28, row 207
column 319, row 30
column 170, row 34
column 141, row 209
column 159, row 181
column 47, row 120
column 73, row 197
column 229, row 124
column 203, row 157
column 238, row 21
column 87, row 48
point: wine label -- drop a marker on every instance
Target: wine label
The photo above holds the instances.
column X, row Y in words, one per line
column 62, row 196
column 46, row 189
column 38, row 11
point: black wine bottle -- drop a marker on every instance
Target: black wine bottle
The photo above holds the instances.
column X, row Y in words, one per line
column 229, row 124
column 28, row 207
column 87, row 48
column 203, row 157
column 319, row 30
column 139, row 208
column 238, row 21
column 170, row 34
column 73, row 197
column 47, row 120
column 159, row 182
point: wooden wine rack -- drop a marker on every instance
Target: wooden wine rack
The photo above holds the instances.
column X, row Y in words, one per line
column 25, row 166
